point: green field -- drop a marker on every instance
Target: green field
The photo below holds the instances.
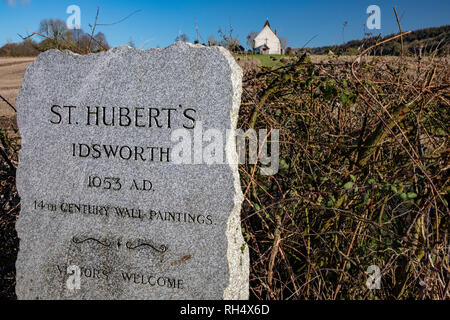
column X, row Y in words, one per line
column 266, row 60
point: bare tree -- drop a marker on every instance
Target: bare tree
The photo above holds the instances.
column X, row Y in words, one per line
column 55, row 33
column 228, row 41
column 343, row 31
column 284, row 43
column 52, row 28
column 182, row 37
column 100, row 42
column 251, row 36
column 212, row 40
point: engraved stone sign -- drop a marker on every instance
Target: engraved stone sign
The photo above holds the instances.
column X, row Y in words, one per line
column 128, row 176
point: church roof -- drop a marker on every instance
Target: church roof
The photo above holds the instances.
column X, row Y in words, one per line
column 263, row 46
column 267, row 24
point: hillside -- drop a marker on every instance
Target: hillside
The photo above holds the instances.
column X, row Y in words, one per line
column 424, row 40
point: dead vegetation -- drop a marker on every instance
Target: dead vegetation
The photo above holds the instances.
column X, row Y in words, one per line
column 363, row 180
column 9, row 209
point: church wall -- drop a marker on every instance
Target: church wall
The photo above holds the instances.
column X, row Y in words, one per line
column 272, row 41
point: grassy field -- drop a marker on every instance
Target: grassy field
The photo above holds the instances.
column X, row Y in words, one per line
column 266, row 60
column 277, row 60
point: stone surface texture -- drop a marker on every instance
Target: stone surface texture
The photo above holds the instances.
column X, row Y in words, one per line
column 139, row 254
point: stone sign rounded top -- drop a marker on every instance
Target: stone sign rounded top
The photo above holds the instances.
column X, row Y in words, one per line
column 128, row 176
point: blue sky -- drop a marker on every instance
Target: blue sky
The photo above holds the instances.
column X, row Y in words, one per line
column 159, row 22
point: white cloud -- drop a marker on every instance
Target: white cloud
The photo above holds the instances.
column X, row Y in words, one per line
column 12, row 3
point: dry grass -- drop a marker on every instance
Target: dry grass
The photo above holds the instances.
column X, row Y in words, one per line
column 363, row 180
column 11, row 74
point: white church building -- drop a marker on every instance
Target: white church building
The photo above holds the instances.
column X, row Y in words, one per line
column 267, row 41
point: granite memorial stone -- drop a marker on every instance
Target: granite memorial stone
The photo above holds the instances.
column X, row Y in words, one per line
column 128, row 176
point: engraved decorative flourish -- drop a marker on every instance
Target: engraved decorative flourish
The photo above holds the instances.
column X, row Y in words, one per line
column 162, row 248
column 105, row 243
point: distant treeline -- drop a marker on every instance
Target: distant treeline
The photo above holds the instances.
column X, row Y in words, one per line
column 54, row 34
column 423, row 41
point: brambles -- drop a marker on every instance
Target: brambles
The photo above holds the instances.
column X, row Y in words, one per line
column 9, row 210
column 363, row 179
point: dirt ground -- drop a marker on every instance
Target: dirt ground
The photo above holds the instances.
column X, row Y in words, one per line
column 11, row 74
